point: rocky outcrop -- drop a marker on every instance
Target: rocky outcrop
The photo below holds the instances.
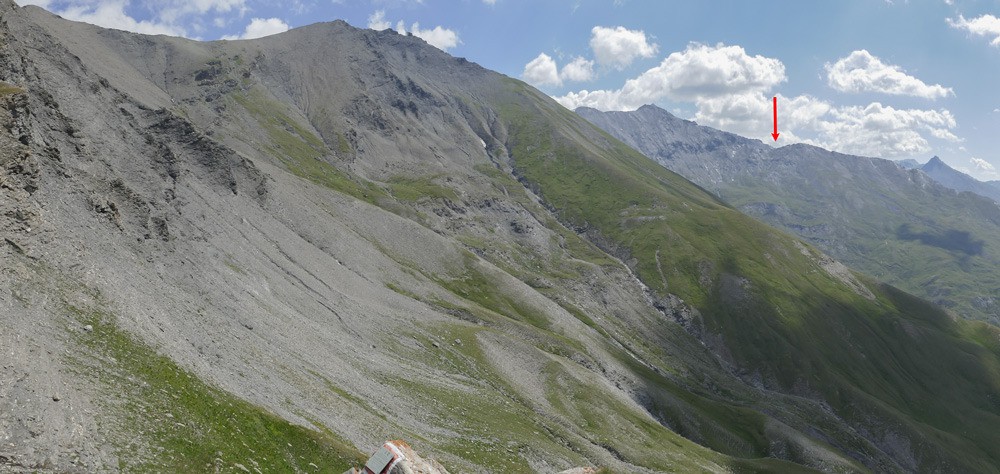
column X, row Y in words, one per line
column 19, row 173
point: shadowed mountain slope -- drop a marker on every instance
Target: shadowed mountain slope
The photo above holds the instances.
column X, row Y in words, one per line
column 278, row 253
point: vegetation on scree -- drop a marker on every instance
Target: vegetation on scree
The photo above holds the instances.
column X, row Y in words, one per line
column 301, row 150
column 170, row 421
column 412, row 189
column 9, row 89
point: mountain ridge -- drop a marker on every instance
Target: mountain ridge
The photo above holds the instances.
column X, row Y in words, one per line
column 850, row 207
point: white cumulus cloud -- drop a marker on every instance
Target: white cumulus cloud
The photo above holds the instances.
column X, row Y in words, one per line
column 698, row 72
column 983, row 169
column 40, row 3
column 578, row 70
column 986, row 25
column 732, row 90
column 542, row 71
column 619, row 46
column 261, row 27
column 884, row 131
column 111, row 14
column 173, row 10
column 710, row 71
column 860, row 71
column 168, row 17
column 981, row 164
column 377, row 21
column 440, row 37
column 598, row 99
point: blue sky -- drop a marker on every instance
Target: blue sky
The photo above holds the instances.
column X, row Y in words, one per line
column 895, row 79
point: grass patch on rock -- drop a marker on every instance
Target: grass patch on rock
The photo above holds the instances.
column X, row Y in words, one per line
column 168, row 420
column 9, row 89
column 300, row 150
column 413, row 189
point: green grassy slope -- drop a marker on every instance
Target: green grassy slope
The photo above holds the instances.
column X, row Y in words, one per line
column 892, row 365
column 896, row 225
column 181, row 424
column 159, row 416
column 926, row 240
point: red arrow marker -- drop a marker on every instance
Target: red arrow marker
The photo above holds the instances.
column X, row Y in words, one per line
column 775, row 133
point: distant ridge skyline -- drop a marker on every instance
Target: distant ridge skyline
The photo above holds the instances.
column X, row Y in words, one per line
column 843, row 83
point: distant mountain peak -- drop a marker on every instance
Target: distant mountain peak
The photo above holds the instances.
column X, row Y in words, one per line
column 952, row 178
column 655, row 110
column 649, row 110
column 936, row 162
column 653, row 107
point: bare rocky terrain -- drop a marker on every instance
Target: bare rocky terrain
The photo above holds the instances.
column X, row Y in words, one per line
column 272, row 255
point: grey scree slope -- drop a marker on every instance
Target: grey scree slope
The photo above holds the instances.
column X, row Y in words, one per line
column 164, row 187
column 252, row 278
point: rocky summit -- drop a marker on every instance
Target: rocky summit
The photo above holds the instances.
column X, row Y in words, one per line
column 273, row 255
